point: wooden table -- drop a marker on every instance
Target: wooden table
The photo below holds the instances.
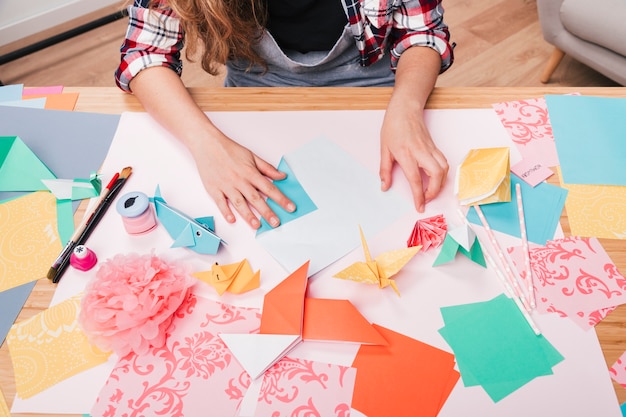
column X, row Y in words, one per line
column 611, row 331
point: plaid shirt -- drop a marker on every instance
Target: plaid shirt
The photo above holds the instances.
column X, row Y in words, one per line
column 155, row 38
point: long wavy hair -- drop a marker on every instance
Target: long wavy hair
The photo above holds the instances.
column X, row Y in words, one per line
column 223, row 29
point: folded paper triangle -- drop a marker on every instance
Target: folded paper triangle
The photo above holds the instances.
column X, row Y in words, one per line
column 20, row 168
column 256, row 353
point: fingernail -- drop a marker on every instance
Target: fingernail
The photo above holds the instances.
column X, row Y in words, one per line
column 230, row 218
column 255, row 223
column 291, row 207
column 274, row 221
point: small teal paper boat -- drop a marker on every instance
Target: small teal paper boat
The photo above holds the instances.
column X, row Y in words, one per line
column 196, row 234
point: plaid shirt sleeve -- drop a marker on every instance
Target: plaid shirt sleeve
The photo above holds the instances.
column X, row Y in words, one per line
column 397, row 25
column 154, row 38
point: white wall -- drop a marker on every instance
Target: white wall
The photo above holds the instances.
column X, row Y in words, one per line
column 22, row 18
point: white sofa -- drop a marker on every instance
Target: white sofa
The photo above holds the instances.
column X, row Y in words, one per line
column 592, row 32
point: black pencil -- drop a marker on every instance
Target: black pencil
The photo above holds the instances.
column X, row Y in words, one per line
column 60, row 265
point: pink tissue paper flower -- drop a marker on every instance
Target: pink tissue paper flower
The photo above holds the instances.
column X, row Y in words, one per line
column 130, row 304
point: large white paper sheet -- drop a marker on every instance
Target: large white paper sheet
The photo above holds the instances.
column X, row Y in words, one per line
column 347, row 195
column 580, row 386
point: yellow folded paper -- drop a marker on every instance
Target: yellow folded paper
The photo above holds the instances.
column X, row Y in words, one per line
column 484, row 177
column 235, row 278
column 379, row 270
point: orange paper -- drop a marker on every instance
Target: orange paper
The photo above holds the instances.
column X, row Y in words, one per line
column 337, row 320
column 63, row 101
column 405, row 378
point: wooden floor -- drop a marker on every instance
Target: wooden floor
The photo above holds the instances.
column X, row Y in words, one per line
column 498, row 43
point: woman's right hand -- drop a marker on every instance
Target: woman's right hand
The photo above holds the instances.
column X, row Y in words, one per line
column 231, row 174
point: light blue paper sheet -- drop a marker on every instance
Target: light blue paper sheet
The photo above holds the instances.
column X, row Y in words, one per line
column 543, row 206
column 590, row 137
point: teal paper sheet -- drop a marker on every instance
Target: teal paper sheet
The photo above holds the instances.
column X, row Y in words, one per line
column 589, row 133
column 495, row 347
column 290, row 187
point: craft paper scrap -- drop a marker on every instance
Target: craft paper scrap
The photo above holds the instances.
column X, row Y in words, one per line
column 11, row 303
column 195, row 369
column 346, row 193
column 34, row 103
column 4, row 408
column 293, row 190
column 404, row 378
column 543, row 206
column 461, row 240
column 494, row 346
column 379, row 270
column 589, row 136
column 51, row 89
column 75, row 189
column 235, row 278
column 428, row 233
column 532, row 173
column 20, row 168
column 596, row 210
column 618, row 370
column 63, row 101
column 11, row 92
column 483, row 177
column 574, row 277
column 528, row 125
column 29, row 241
column 50, row 347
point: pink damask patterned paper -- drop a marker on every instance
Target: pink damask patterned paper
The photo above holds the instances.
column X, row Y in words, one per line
column 529, row 127
column 574, row 277
column 194, row 374
column 618, row 370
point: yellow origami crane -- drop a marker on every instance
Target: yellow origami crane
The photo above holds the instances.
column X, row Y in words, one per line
column 235, row 278
column 381, row 269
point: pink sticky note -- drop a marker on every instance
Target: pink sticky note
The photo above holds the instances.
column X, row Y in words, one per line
column 529, row 127
column 575, row 278
column 531, row 172
column 195, row 373
column 53, row 89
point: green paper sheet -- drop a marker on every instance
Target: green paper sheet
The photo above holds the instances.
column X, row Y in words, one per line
column 494, row 346
column 20, row 168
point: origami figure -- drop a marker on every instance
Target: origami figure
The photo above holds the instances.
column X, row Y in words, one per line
column 381, row 269
column 196, row 234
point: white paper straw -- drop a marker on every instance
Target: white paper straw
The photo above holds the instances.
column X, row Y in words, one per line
column 522, row 226
column 507, row 287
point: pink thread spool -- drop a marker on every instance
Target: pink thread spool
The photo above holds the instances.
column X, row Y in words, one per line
column 83, row 258
column 137, row 215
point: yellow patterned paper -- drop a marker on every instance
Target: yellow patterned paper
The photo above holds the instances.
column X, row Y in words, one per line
column 484, row 177
column 596, row 210
column 49, row 348
column 4, row 408
column 29, row 241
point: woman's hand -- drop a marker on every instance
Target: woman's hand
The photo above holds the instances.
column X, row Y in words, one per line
column 234, row 176
column 405, row 139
